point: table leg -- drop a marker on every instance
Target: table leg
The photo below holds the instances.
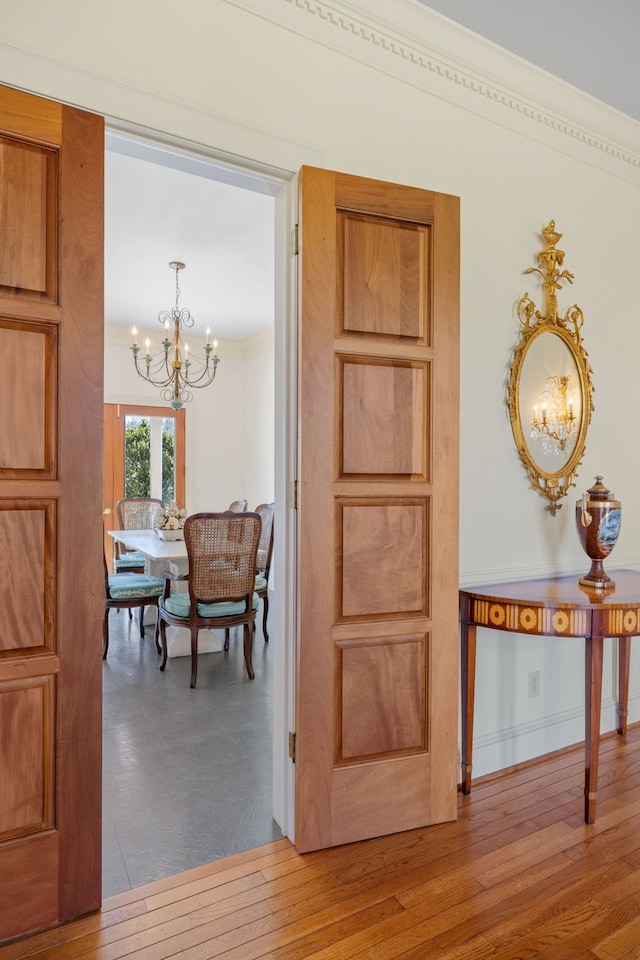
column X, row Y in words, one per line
column 468, row 675
column 593, row 702
column 624, row 659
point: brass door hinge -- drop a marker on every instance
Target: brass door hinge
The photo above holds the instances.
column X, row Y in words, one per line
column 292, row 746
column 295, row 495
column 295, row 245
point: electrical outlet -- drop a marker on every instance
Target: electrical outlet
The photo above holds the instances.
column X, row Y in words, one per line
column 534, row 684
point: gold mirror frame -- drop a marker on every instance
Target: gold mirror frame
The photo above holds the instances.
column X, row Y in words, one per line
column 553, row 485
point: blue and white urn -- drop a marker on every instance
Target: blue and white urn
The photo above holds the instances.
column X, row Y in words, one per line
column 598, row 517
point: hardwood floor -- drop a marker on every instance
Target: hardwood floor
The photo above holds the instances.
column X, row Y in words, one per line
column 518, row 875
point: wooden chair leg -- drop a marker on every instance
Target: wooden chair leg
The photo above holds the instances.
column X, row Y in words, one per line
column 105, row 633
column 156, row 631
column 227, row 633
column 248, row 645
column 163, row 642
column 142, row 623
column 265, row 611
column 194, row 657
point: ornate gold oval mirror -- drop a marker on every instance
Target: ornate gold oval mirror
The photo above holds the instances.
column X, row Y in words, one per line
column 550, row 389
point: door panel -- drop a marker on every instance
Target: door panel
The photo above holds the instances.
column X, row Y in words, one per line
column 51, row 333
column 378, row 511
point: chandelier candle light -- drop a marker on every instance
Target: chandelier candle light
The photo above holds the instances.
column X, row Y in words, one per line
column 173, row 369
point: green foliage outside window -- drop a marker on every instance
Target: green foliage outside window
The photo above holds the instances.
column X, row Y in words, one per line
column 168, row 460
column 137, row 458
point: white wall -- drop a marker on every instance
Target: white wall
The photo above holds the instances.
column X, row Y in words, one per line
column 385, row 89
column 259, row 428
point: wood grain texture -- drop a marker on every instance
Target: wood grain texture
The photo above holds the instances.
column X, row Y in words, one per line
column 22, row 398
column 384, row 552
column 27, row 587
column 378, row 395
column 31, row 118
column 384, row 418
column 385, row 277
column 79, row 700
column 374, row 721
column 28, row 394
column 28, row 211
column 517, row 875
column 26, row 756
column 50, row 499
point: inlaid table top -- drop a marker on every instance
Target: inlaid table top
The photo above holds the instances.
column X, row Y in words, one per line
column 564, row 591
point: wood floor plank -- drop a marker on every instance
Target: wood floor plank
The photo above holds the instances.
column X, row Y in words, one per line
column 568, row 934
column 542, row 904
column 517, row 875
column 618, row 943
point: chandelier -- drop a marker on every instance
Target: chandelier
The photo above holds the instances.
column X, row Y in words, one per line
column 173, row 369
column 556, row 420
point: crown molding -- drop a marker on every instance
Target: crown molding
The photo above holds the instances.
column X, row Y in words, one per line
column 416, row 45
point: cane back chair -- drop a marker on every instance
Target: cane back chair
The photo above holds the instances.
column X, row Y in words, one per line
column 221, row 553
column 134, row 513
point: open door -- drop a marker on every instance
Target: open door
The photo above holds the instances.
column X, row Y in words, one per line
column 377, row 657
column 51, row 592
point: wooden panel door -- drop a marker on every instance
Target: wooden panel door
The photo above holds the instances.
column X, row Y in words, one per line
column 377, row 658
column 51, row 590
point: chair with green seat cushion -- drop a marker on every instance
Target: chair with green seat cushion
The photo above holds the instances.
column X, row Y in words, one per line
column 180, row 603
column 134, row 513
column 129, row 590
column 130, row 561
column 221, row 553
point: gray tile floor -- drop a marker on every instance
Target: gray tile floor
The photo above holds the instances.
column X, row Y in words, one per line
column 187, row 773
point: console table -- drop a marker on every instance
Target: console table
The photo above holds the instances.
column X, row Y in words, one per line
column 555, row 607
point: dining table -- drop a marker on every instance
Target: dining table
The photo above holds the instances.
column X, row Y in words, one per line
column 168, row 556
column 152, row 545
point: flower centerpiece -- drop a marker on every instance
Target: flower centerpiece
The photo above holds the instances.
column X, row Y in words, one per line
column 170, row 522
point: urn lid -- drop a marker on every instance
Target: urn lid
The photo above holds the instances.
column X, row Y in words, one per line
column 599, row 492
column 598, row 496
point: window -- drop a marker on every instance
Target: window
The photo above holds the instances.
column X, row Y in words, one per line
column 144, row 456
column 150, row 457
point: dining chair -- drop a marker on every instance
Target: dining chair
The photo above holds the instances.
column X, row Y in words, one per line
column 263, row 561
column 263, row 565
column 134, row 513
column 221, row 552
column 238, row 506
column 129, row 590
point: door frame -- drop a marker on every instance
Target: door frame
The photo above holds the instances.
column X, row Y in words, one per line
column 282, row 185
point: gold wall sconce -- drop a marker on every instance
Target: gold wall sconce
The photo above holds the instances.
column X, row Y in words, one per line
column 550, row 389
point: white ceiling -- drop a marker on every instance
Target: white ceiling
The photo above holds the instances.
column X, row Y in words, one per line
column 161, row 207
column 591, row 44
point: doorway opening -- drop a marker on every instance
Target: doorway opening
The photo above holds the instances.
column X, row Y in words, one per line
column 205, row 739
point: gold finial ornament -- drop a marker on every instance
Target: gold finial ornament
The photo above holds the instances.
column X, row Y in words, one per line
column 549, row 393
